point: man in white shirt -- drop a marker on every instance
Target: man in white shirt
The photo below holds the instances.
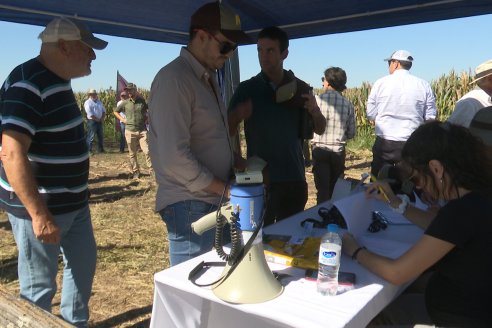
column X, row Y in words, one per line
column 398, row 103
column 466, row 108
column 95, row 118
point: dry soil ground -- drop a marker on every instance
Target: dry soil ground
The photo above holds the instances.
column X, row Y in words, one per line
column 131, row 240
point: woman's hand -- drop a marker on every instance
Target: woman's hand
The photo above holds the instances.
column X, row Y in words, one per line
column 377, row 189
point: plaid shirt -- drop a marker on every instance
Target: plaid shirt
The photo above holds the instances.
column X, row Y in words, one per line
column 340, row 121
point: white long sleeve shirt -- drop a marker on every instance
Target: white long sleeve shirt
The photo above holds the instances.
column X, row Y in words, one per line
column 94, row 109
column 468, row 105
column 399, row 103
column 189, row 133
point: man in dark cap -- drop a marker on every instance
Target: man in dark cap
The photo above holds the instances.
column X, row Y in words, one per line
column 188, row 139
column 135, row 117
column 45, row 170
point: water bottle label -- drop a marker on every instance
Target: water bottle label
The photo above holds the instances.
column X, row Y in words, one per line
column 330, row 254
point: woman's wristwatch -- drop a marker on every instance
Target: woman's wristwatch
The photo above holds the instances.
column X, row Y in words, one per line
column 403, row 205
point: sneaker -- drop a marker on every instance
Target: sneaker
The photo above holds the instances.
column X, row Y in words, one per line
column 136, row 175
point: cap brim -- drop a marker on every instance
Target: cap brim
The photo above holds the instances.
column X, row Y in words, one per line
column 237, row 36
column 95, row 43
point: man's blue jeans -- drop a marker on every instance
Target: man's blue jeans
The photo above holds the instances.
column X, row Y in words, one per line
column 95, row 128
column 122, row 136
column 184, row 244
column 38, row 264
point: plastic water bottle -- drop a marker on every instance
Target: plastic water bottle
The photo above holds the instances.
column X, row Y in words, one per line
column 329, row 261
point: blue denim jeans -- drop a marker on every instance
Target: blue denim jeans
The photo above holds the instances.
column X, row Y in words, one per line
column 38, row 264
column 184, row 244
column 95, row 128
column 122, row 136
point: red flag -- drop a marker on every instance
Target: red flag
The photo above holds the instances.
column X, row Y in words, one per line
column 120, row 87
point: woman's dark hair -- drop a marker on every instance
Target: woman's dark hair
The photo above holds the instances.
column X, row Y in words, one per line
column 464, row 156
column 275, row 33
column 337, row 78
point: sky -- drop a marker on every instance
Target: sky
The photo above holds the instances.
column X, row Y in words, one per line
column 437, row 48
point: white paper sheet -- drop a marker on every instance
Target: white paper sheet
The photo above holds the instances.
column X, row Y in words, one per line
column 357, row 211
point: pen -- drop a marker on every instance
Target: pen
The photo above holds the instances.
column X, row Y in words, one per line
column 381, row 190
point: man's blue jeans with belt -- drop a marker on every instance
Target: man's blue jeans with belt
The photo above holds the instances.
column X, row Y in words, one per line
column 184, row 244
column 95, row 128
column 38, row 264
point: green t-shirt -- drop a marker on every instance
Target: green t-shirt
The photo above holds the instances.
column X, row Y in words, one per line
column 136, row 113
column 272, row 131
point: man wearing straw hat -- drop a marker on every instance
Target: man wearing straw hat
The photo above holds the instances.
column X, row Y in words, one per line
column 96, row 112
column 466, row 108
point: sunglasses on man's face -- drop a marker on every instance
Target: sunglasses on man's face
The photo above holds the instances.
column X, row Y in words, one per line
column 224, row 46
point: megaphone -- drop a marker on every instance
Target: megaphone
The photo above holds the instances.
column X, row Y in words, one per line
column 247, row 279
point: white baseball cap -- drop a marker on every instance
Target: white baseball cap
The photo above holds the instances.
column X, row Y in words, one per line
column 400, row 55
column 92, row 92
column 70, row 29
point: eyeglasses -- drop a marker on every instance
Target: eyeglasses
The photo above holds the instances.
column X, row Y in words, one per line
column 323, row 79
column 224, row 46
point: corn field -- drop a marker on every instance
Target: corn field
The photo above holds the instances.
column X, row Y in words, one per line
column 447, row 89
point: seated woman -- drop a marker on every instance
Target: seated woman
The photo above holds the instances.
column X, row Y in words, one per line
column 395, row 179
column 450, row 164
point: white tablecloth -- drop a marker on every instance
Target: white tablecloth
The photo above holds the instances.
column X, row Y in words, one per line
column 179, row 303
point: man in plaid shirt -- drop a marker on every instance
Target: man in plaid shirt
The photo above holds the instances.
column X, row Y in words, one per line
column 329, row 148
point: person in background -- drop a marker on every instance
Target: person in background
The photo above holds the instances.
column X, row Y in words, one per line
column 135, row 118
column 123, row 97
column 449, row 164
column 478, row 98
column 45, row 170
column 398, row 103
column 273, row 124
column 329, row 147
column 96, row 112
column 189, row 141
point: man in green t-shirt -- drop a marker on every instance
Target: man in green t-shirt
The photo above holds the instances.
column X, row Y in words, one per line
column 136, row 119
column 274, row 105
